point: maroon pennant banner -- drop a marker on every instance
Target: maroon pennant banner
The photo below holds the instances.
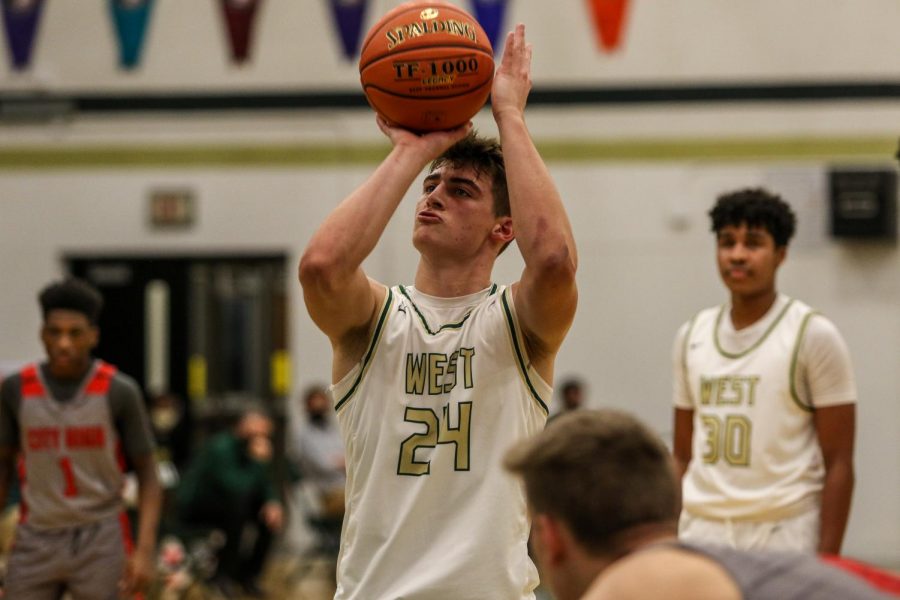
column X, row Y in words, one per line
column 239, row 18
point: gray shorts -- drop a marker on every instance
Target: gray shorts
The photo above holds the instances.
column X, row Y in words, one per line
column 87, row 561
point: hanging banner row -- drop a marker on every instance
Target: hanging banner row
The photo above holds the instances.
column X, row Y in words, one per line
column 130, row 17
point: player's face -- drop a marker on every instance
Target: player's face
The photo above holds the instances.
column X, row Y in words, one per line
column 455, row 212
column 748, row 259
column 68, row 338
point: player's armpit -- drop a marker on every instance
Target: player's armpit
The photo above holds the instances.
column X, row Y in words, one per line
column 545, row 305
column 351, row 344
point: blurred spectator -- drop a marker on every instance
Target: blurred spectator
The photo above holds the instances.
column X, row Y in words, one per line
column 572, row 396
column 228, row 487
column 318, row 451
column 171, row 428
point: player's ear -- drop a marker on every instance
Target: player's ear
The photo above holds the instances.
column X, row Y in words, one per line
column 780, row 254
column 551, row 538
column 502, row 230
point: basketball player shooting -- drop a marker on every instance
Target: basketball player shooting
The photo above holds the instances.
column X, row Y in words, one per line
column 432, row 382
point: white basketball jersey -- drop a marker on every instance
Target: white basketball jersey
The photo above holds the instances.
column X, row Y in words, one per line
column 444, row 389
column 755, row 451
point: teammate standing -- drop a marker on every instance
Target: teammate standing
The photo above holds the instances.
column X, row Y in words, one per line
column 70, row 419
column 433, row 382
column 764, row 399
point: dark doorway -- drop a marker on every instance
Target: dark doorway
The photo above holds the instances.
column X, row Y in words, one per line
column 211, row 329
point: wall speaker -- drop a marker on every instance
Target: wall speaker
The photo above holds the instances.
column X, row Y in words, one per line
column 863, row 203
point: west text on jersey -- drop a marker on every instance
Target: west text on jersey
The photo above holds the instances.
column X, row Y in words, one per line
column 437, row 373
column 733, row 390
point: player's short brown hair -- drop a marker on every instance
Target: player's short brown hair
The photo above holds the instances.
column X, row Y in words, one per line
column 486, row 157
column 600, row 472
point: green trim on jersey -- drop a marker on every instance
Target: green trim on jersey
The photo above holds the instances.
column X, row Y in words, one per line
column 757, row 343
column 684, row 353
column 367, row 358
column 794, row 357
column 456, row 325
column 520, row 357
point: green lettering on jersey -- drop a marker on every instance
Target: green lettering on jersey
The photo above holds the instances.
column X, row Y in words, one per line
column 436, row 364
column 706, row 388
column 439, row 371
column 416, row 365
column 729, row 390
column 466, row 354
column 438, row 431
column 450, row 379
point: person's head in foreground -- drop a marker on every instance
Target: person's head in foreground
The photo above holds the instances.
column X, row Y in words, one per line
column 600, row 486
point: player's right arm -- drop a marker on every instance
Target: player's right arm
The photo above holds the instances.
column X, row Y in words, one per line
column 341, row 300
column 683, row 429
column 682, row 441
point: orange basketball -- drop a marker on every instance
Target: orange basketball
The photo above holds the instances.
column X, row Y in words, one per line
column 426, row 66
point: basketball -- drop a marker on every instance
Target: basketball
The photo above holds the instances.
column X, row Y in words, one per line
column 426, row 66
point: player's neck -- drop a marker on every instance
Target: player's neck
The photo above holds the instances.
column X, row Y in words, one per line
column 74, row 374
column 451, row 281
column 575, row 579
column 750, row 308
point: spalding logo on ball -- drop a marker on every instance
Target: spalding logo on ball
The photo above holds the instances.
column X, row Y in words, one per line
column 426, row 66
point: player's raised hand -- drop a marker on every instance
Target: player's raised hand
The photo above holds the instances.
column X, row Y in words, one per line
column 512, row 81
column 430, row 144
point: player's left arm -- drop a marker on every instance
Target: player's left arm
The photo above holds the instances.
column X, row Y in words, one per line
column 546, row 295
column 9, row 435
column 134, row 430
column 140, row 569
column 835, row 426
column 829, row 375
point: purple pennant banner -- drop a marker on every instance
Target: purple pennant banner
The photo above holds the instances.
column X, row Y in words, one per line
column 490, row 15
column 130, row 18
column 349, row 16
column 20, row 18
